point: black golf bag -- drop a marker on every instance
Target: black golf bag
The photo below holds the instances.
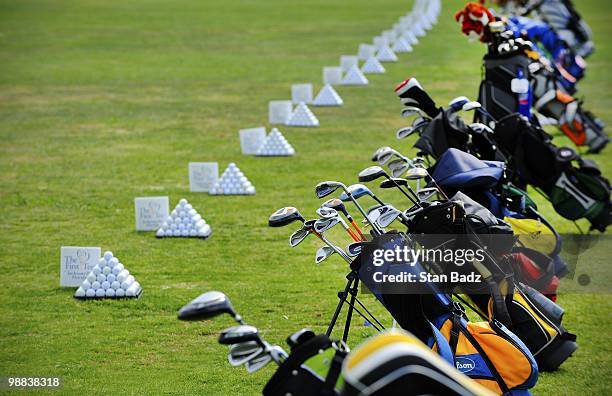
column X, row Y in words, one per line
column 497, row 96
column 501, row 296
column 312, row 368
column 574, row 185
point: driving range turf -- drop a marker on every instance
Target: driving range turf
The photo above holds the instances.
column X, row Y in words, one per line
column 101, row 102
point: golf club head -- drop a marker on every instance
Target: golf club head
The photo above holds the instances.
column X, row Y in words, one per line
column 323, row 225
column 393, row 182
column 481, row 129
column 378, row 151
column 206, row 306
column 425, row 193
column 357, row 191
column 323, row 253
column 237, row 334
column 404, row 132
column 370, row 173
column 337, row 204
column 353, row 249
column 325, row 212
column 298, row 236
column 284, row 216
column 457, row 103
column 397, row 172
column 258, row 362
column 473, row 105
column 299, row 337
column 387, row 215
column 325, row 188
column 416, row 173
column 239, row 353
column 396, row 163
column 385, row 155
column 410, row 111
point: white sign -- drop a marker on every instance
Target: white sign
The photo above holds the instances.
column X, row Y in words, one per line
column 251, row 139
column 366, row 51
column 332, row 75
column 301, row 93
column 202, row 176
column 348, row 61
column 151, row 212
column 279, row 111
column 76, row 263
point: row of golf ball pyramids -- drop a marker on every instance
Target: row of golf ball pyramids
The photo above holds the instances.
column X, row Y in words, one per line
column 275, row 145
column 109, row 279
column 184, row 221
column 232, row 182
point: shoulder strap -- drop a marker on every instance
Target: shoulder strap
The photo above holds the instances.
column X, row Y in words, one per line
column 444, row 349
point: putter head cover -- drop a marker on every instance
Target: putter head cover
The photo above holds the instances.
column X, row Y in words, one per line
column 411, row 93
column 474, row 19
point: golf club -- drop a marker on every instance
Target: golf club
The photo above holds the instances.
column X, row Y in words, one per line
column 208, row 305
column 337, row 204
column 327, row 212
column 237, row 334
column 375, row 172
column 243, row 351
column 325, row 188
column 323, row 253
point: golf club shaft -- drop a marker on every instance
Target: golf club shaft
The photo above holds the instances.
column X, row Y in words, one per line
column 354, row 224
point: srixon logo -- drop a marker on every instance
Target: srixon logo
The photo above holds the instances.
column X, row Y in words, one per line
column 464, row 364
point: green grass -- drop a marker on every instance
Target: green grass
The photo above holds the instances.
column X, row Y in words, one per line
column 101, row 102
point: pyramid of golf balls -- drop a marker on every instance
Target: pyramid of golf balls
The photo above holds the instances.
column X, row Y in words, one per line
column 109, row 279
column 184, row 221
column 303, row 117
column 233, row 182
column 275, row 145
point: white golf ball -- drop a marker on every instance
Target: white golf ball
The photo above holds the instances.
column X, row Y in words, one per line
column 110, row 293
column 116, row 285
column 102, row 262
column 91, row 277
column 183, row 202
column 101, row 278
column 184, row 233
column 108, row 255
column 160, row 233
column 80, row 292
column 86, row 284
column 118, row 268
column 174, row 213
column 123, row 275
column 176, row 233
column 120, row 293
column 105, row 285
column 213, row 191
column 195, row 218
column 90, row 293
column 95, row 285
column 100, row 293
column 181, row 227
column 173, row 227
column 169, row 219
column 112, row 262
column 177, row 221
column 110, row 278
column 188, row 207
column 193, row 232
column 107, row 270
column 250, row 190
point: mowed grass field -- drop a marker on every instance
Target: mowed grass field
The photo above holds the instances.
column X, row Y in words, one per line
column 101, row 102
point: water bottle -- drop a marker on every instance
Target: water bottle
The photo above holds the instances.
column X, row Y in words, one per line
column 522, row 88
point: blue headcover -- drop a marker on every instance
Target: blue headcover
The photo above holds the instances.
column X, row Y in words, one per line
column 456, row 169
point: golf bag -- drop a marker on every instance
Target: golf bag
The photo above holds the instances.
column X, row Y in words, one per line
column 312, row 368
column 562, row 16
column 576, row 191
column 487, row 352
column 396, row 363
column 501, row 93
column 501, row 296
column 483, row 181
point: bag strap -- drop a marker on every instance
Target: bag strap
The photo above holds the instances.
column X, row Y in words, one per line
column 457, row 313
column 328, row 388
column 444, row 349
